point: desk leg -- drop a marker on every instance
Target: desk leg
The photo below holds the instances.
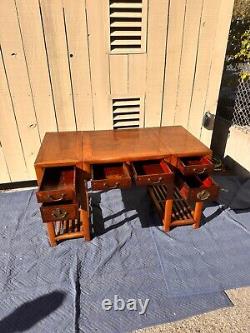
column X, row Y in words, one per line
column 197, row 214
column 86, row 225
column 51, row 233
column 167, row 215
column 84, row 214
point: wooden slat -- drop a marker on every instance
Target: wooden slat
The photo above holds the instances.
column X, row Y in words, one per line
column 53, row 23
column 127, row 116
column 188, row 60
column 18, row 79
column 205, row 49
column 125, row 5
column 34, row 48
column 97, row 15
column 173, row 57
column 125, row 14
column 219, row 50
column 157, row 32
column 125, row 24
column 127, row 102
column 4, row 174
column 9, row 133
column 125, row 42
column 76, row 27
column 122, row 33
column 125, row 123
column 119, row 74
column 126, row 110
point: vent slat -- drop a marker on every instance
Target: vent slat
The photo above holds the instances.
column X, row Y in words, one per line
column 126, row 42
column 125, row 24
column 125, row 33
column 124, row 15
column 134, row 116
column 126, row 123
column 131, row 109
column 125, row 5
column 126, row 102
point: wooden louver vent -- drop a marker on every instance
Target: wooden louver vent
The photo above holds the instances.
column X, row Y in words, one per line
column 126, row 112
column 127, row 26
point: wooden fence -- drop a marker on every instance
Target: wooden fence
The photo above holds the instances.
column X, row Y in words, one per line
column 60, row 69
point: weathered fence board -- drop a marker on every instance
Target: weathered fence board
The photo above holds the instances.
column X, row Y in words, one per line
column 59, row 72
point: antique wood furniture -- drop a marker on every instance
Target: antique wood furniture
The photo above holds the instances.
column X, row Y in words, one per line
column 169, row 160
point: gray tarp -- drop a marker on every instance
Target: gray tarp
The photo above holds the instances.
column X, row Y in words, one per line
column 183, row 273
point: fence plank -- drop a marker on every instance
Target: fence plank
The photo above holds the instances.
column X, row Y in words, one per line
column 4, row 174
column 15, row 65
column 204, row 58
column 76, row 27
column 9, row 136
column 53, row 23
column 34, row 48
column 173, row 58
column 97, row 15
column 220, row 46
column 188, row 60
column 137, row 73
column 119, row 74
column 157, row 33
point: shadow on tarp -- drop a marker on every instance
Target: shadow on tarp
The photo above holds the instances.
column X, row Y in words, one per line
column 138, row 204
column 30, row 313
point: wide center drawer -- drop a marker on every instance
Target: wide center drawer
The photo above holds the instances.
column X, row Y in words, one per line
column 152, row 172
column 197, row 188
column 59, row 212
column 108, row 176
column 193, row 165
column 58, row 185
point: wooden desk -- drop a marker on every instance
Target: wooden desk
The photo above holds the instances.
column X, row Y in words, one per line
column 83, row 150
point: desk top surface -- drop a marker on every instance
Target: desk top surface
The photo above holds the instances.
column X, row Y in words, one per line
column 121, row 145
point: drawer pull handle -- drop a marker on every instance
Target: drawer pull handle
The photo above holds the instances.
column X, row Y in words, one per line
column 59, row 213
column 52, row 198
column 111, row 187
column 203, row 195
column 202, row 171
column 157, row 181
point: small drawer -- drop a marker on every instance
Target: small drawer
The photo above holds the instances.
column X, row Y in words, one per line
column 58, row 185
column 197, row 188
column 58, row 212
column 194, row 165
column 109, row 176
column 152, row 172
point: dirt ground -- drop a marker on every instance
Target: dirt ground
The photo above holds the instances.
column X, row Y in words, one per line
column 227, row 320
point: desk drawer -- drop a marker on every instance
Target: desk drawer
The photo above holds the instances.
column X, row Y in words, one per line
column 58, row 212
column 109, row 176
column 193, row 165
column 58, row 185
column 197, row 188
column 152, row 172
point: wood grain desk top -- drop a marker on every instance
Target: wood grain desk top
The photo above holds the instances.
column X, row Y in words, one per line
column 113, row 146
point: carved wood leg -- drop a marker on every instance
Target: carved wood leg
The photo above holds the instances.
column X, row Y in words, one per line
column 167, row 215
column 84, row 214
column 51, row 233
column 197, row 214
column 86, row 225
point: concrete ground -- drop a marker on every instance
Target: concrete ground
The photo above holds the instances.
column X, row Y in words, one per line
column 227, row 320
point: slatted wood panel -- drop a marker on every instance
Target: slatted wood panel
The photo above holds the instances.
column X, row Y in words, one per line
column 127, row 26
column 128, row 112
column 57, row 71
